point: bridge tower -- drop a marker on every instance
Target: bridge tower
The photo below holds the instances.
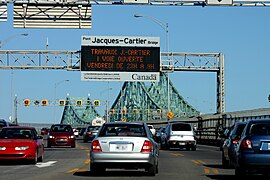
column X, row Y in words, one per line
column 80, row 114
column 137, row 102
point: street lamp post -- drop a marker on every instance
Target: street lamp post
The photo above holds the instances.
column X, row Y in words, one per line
column 107, row 101
column 5, row 41
column 55, row 86
column 165, row 27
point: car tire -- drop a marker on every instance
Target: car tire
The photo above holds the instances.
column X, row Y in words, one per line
column 167, row 146
column 193, row 148
column 188, row 148
column 35, row 160
column 225, row 162
column 152, row 170
column 73, row 145
column 239, row 172
column 48, row 145
column 40, row 159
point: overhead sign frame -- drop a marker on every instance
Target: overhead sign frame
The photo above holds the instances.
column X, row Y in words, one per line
column 120, row 58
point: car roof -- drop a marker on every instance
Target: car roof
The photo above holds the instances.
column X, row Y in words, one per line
column 260, row 121
column 120, row 122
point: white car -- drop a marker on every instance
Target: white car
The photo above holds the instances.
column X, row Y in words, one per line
column 76, row 132
column 152, row 129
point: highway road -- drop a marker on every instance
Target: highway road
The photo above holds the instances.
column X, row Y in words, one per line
column 73, row 163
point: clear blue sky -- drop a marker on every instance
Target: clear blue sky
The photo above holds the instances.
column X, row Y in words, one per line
column 241, row 33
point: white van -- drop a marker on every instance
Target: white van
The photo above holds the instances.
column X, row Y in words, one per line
column 179, row 135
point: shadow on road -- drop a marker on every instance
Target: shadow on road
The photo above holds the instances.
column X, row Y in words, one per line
column 113, row 174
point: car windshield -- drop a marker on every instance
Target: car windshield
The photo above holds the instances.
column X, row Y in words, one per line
column 16, row 134
column 260, row 129
column 181, row 127
column 135, row 130
column 61, row 128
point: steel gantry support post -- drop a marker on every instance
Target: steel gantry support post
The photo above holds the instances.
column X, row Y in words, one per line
column 220, row 86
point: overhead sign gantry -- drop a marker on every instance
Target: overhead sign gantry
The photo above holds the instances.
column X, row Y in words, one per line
column 120, row 58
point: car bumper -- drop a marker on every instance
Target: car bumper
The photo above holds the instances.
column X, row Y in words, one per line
column 59, row 142
column 123, row 160
column 250, row 161
column 177, row 143
column 18, row 156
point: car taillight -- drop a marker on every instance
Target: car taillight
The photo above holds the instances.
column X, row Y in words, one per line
column 147, row 146
column 235, row 141
column 96, row 146
column 246, row 144
column 88, row 132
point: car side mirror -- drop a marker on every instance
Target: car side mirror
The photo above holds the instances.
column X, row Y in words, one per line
column 235, row 137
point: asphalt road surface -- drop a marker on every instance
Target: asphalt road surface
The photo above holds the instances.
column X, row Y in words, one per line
column 73, row 163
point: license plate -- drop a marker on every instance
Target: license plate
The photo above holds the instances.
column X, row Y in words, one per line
column 120, row 147
column 181, row 143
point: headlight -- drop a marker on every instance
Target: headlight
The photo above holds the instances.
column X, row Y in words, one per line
column 71, row 137
column 2, row 148
column 21, row 148
column 51, row 137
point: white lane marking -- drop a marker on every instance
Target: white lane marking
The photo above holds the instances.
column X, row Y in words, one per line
column 46, row 164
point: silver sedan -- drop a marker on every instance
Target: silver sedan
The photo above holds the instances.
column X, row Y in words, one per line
column 126, row 146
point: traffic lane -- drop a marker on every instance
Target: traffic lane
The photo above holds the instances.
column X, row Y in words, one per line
column 205, row 163
column 57, row 164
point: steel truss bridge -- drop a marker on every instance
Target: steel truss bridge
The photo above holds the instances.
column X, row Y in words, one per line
column 136, row 100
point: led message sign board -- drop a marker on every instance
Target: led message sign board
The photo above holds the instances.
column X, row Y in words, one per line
column 120, row 58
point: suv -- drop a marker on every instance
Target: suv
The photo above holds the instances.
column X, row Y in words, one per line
column 179, row 135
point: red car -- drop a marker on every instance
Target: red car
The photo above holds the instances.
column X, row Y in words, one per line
column 21, row 143
column 61, row 135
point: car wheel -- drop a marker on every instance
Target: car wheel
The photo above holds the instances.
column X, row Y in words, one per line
column 152, row 170
column 40, row 159
column 73, row 145
column 240, row 172
column 35, row 160
column 157, row 168
column 225, row 162
column 194, row 148
column 48, row 145
column 167, row 146
column 188, row 148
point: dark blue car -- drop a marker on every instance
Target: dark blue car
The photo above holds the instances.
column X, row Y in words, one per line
column 253, row 150
column 229, row 146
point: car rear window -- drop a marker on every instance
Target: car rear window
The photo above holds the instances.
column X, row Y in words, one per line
column 61, row 128
column 260, row 129
column 135, row 130
column 93, row 128
column 181, row 127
